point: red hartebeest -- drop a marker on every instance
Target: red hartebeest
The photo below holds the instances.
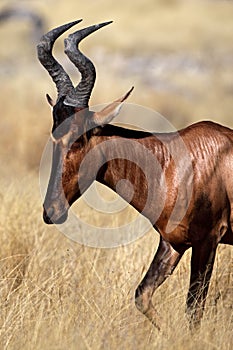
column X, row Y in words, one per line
column 208, row 217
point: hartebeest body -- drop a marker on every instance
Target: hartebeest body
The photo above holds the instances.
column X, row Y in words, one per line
column 201, row 177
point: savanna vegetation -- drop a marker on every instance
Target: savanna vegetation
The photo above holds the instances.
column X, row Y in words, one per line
column 59, row 294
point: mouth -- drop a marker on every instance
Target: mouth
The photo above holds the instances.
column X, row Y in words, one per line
column 49, row 220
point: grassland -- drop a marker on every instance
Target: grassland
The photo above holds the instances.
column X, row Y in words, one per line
column 58, row 294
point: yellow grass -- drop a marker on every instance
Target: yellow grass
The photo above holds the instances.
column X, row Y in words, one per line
column 57, row 294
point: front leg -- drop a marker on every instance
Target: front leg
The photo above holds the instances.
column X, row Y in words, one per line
column 163, row 264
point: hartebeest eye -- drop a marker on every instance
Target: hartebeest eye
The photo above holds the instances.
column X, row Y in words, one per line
column 70, row 139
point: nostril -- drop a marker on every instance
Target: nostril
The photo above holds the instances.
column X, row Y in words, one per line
column 50, row 212
column 47, row 215
column 50, row 216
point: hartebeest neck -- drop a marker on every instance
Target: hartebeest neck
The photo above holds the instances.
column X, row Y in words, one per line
column 134, row 165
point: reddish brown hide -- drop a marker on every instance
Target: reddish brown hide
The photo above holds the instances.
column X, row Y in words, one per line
column 182, row 181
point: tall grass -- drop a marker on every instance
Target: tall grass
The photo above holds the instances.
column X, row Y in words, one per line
column 55, row 293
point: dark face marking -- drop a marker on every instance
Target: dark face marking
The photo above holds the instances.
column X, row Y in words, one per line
column 61, row 113
column 70, row 144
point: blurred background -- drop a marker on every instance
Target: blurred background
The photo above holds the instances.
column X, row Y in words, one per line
column 178, row 55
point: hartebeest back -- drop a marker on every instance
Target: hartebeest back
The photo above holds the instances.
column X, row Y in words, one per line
column 206, row 179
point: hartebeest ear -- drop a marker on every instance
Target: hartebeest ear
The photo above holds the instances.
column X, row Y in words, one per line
column 107, row 114
column 50, row 100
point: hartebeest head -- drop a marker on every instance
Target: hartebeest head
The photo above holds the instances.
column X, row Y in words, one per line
column 74, row 125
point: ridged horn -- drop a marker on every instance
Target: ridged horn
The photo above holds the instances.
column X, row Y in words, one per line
column 80, row 95
column 55, row 70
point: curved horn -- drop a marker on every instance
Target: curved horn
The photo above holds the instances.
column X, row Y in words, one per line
column 55, row 70
column 80, row 96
